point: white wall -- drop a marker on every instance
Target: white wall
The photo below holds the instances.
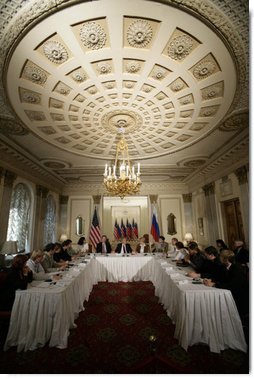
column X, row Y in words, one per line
column 79, row 206
column 130, row 207
column 171, row 204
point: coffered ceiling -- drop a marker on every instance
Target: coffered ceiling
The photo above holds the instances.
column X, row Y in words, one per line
column 172, row 76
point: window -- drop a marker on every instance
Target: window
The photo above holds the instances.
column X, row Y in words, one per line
column 50, row 221
column 19, row 216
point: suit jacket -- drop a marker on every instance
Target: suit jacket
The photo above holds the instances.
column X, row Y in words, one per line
column 241, row 255
column 99, row 247
column 235, row 280
column 119, row 248
column 146, row 249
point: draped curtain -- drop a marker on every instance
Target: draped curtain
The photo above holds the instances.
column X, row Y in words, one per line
column 50, row 221
column 19, row 216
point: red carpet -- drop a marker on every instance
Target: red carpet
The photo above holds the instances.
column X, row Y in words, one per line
column 112, row 336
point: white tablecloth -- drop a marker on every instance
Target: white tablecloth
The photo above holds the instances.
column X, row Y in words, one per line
column 42, row 315
column 123, row 268
column 201, row 314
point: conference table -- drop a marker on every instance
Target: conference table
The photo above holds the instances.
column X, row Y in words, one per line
column 44, row 313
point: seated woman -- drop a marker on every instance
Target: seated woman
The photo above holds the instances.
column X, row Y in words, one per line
column 83, row 246
column 48, row 263
column 180, row 253
column 161, row 246
column 17, row 279
column 142, row 247
column 34, row 263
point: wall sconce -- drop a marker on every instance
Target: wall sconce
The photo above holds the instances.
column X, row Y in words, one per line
column 79, row 226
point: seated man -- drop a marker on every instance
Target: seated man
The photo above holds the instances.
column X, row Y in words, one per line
column 123, row 247
column 63, row 255
column 211, row 267
column 195, row 258
column 48, row 263
column 234, row 279
column 241, row 253
column 104, row 246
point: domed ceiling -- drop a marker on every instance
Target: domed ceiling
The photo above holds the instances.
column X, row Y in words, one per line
column 82, row 75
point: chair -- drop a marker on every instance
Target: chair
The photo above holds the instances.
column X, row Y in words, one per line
column 4, row 315
column 3, row 275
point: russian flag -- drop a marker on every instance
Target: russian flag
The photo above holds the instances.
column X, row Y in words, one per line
column 155, row 229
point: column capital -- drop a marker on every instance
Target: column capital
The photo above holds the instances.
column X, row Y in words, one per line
column 63, row 199
column 96, row 199
column 153, row 198
column 2, row 171
column 242, row 174
column 9, row 178
column 41, row 191
column 187, row 197
column 209, row 189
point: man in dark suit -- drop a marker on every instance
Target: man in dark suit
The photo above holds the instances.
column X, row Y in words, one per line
column 123, row 247
column 104, row 246
column 241, row 253
column 233, row 279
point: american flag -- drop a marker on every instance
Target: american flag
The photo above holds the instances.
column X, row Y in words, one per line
column 95, row 231
column 128, row 230
column 117, row 231
column 134, row 229
column 123, row 229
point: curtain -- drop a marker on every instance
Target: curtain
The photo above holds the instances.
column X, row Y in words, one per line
column 19, row 216
column 50, row 221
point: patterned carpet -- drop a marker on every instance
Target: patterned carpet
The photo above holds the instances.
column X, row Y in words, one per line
column 113, row 336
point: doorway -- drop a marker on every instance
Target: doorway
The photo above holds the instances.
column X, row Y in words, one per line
column 233, row 220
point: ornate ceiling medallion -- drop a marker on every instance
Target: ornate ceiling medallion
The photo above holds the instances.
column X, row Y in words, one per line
column 55, row 52
column 128, row 121
column 93, row 35
column 139, row 33
column 180, row 47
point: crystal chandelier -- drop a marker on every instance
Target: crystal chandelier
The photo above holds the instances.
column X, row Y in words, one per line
column 121, row 179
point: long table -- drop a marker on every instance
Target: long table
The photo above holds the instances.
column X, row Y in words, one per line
column 44, row 313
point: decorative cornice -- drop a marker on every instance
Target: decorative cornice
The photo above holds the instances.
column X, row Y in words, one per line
column 242, row 175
